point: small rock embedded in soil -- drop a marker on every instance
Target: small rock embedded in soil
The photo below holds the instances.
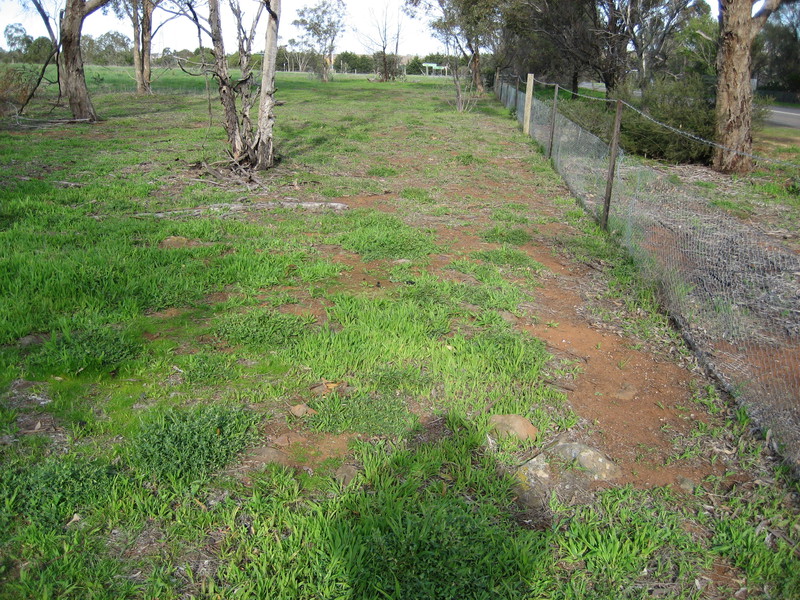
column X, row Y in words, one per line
column 513, row 425
column 594, row 461
column 287, row 439
column 300, row 410
column 345, row 474
column 174, row 241
column 686, row 484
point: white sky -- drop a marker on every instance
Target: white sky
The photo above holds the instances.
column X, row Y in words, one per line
column 415, row 37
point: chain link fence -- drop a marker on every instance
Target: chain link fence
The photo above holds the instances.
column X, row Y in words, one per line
column 733, row 288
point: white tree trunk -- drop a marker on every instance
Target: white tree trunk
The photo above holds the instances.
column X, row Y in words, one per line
column 264, row 147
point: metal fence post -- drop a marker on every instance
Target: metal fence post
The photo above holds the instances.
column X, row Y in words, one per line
column 553, row 124
column 526, row 122
column 612, row 165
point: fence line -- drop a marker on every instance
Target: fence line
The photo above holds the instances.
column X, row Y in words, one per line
column 733, row 289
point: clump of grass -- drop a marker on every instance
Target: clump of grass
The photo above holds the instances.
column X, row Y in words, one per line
column 369, row 413
column 262, row 328
column 183, row 445
column 208, row 368
column 375, row 235
column 382, row 172
column 96, row 348
column 505, row 235
column 504, row 215
column 508, row 257
column 50, row 492
column 417, row 195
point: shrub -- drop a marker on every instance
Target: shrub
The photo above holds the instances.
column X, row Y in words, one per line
column 686, row 104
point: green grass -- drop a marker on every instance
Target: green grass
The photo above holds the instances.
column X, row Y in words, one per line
column 160, row 367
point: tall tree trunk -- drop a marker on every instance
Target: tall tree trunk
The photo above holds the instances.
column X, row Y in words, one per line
column 575, row 83
column 148, row 6
column 477, row 80
column 226, row 92
column 133, row 12
column 264, row 147
column 72, row 76
column 738, row 29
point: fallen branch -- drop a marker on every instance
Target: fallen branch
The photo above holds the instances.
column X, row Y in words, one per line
column 239, row 207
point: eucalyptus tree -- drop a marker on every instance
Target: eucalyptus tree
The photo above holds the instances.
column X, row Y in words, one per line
column 322, row 25
column 468, row 25
column 739, row 26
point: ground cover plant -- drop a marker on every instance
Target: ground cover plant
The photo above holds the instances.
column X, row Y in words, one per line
column 206, row 395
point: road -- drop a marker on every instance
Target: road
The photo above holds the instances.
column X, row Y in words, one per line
column 784, row 117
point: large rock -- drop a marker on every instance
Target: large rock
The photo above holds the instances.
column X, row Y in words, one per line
column 513, row 425
column 593, row 461
column 534, row 482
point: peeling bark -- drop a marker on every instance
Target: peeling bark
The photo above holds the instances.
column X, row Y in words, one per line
column 738, row 28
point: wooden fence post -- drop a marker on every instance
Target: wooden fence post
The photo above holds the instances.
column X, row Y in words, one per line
column 612, row 166
column 553, row 124
column 526, row 121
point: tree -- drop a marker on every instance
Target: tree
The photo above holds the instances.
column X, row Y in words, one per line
column 734, row 109
column 594, row 34
column 466, row 24
column 140, row 13
column 384, row 35
column 778, row 53
column 654, row 25
column 248, row 149
column 322, row 24
column 73, row 79
column 17, row 39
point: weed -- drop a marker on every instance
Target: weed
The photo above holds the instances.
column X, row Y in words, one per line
column 417, row 195
column 189, row 444
column 382, row 172
column 263, row 328
column 505, row 235
column 95, row 348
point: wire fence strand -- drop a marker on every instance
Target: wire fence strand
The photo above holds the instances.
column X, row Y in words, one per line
column 733, row 288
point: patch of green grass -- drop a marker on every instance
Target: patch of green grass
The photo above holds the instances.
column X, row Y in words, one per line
column 506, row 235
column 420, row 195
column 376, row 413
column 504, row 215
column 741, row 209
column 508, row 257
column 382, row 172
column 262, row 328
column 94, row 349
column 376, row 235
column 183, row 445
column 50, row 492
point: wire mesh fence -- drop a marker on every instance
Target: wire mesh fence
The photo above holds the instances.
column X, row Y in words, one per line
column 733, row 288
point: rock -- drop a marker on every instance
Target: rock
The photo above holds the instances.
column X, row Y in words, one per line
column 686, row 484
column 287, row 439
column 174, row 241
column 345, row 474
column 300, row 410
column 513, row 425
column 626, row 393
column 534, row 482
column 594, row 461
column 35, row 339
column 266, row 454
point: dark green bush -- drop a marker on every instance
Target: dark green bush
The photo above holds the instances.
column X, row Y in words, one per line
column 686, row 104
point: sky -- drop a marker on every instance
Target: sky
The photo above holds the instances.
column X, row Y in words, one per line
column 362, row 15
